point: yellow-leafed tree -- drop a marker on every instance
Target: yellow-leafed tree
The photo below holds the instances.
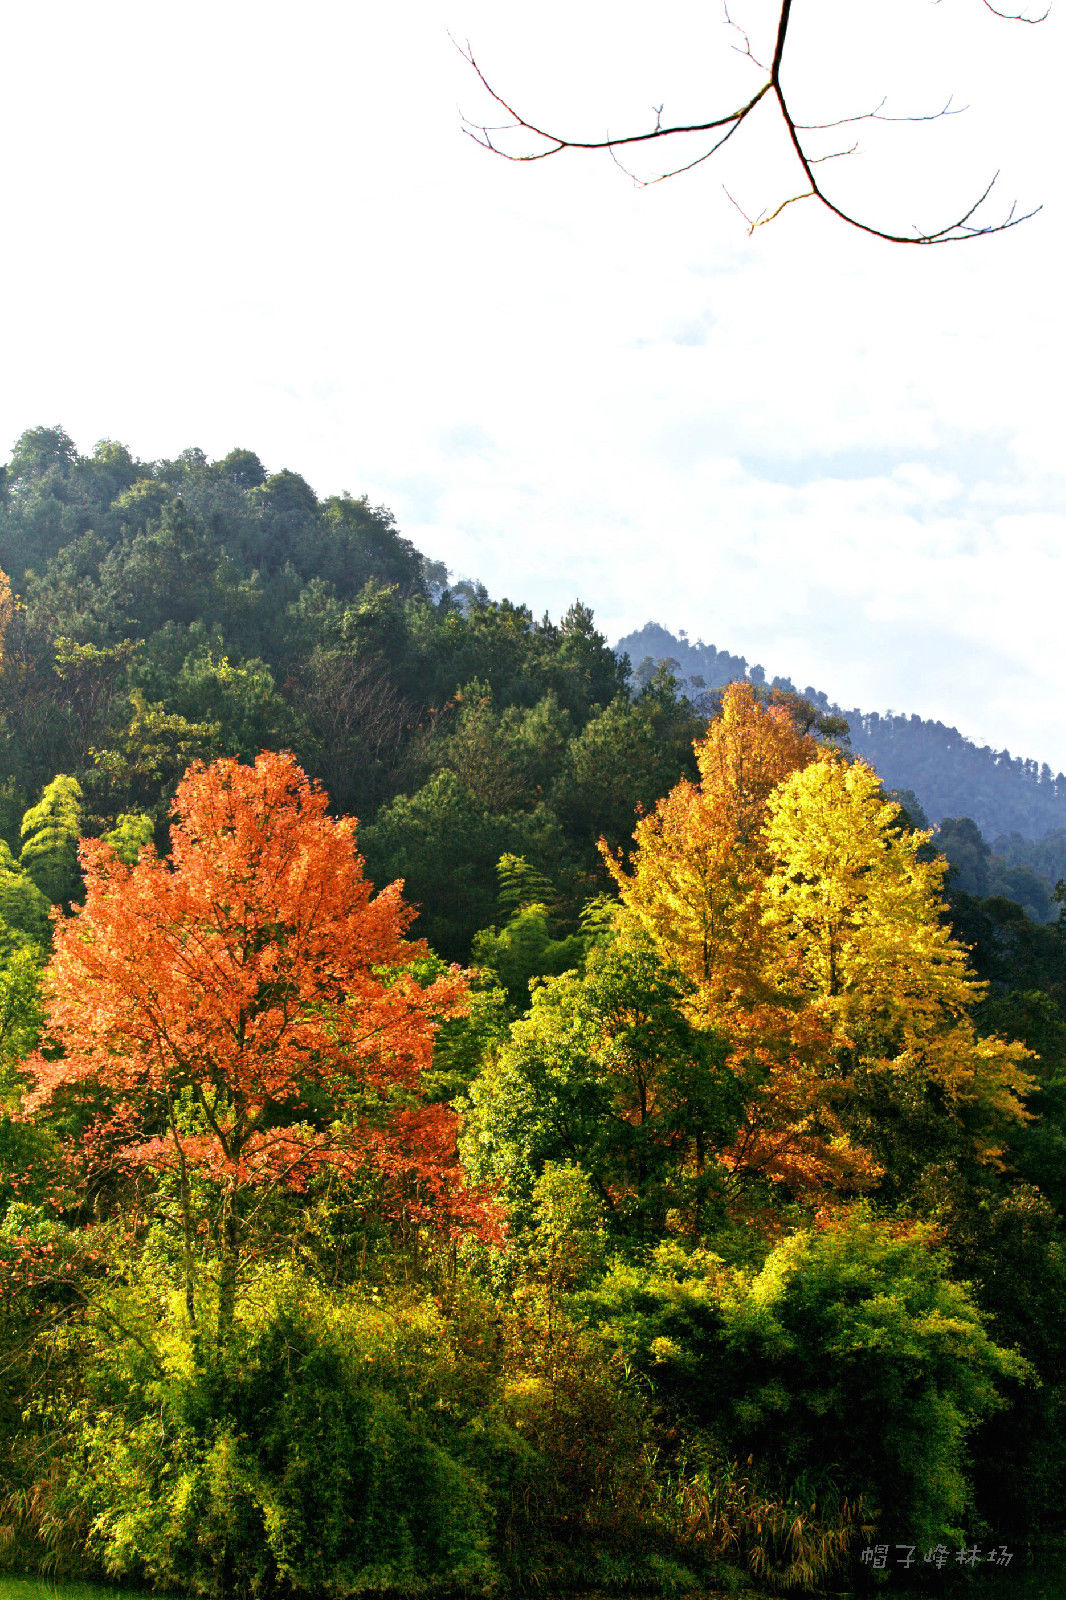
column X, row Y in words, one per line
column 700, row 856
column 857, row 917
column 695, row 890
column 785, row 889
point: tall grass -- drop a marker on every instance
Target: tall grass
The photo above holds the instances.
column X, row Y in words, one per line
column 795, row 1538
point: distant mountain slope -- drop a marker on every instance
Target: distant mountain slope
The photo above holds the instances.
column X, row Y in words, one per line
column 950, row 774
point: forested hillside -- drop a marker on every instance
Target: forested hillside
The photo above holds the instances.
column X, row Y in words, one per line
column 950, row 775
column 188, row 609
column 472, row 1125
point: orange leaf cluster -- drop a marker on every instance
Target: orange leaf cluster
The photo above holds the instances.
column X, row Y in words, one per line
column 7, row 610
column 251, row 996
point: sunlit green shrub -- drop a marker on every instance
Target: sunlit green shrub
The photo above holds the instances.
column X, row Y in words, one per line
column 850, row 1360
column 330, row 1454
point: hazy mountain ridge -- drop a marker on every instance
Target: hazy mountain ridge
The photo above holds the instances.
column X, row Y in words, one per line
column 950, row 774
column 175, row 610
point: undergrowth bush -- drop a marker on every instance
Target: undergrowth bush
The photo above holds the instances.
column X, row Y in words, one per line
column 330, row 1452
column 851, row 1361
column 349, row 1442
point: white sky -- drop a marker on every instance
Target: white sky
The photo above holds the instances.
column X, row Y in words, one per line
column 261, row 225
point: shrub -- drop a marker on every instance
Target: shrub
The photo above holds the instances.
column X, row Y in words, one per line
column 850, row 1360
column 329, row 1453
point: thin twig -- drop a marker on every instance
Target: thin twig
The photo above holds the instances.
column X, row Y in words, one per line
column 875, row 115
column 474, row 129
column 1016, row 16
column 747, row 50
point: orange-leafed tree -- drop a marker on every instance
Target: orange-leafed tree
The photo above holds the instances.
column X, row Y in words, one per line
column 246, row 1013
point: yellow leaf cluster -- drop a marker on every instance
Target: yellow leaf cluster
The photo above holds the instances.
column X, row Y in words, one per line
column 699, row 861
column 858, row 916
column 810, row 923
column 7, row 611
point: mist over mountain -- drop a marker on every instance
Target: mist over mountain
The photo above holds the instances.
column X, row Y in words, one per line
column 157, row 613
column 1018, row 805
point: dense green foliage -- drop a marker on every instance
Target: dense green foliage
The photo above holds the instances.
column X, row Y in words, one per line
column 857, row 1321
column 781, row 1274
column 185, row 609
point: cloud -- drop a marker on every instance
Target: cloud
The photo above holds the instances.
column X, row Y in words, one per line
column 827, row 454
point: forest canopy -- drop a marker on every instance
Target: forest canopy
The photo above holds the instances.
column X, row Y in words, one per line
column 472, row 1116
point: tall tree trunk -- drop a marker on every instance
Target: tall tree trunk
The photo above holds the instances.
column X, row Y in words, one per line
column 188, row 1250
column 227, row 1268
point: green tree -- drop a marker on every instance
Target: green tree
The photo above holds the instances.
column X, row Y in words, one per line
column 606, row 1072
column 445, row 847
column 242, row 700
column 24, row 910
column 21, row 1015
column 960, row 840
column 624, row 760
column 524, row 950
column 39, row 451
column 243, row 468
column 168, row 572
column 568, row 1243
column 50, row 832
column 133, row 830
column 528, row 945
column 1012, row 1244
column 152, row 752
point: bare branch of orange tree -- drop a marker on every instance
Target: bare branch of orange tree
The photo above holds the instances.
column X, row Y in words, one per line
column 724, row 125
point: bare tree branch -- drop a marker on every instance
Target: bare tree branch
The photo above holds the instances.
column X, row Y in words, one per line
column 1016, row 16
column 674, row 172
column 949, row 234
column 876, row 115
column 762, row 219
column 834, row 155
column 481, row 132
column 747, row 50
column 727, row 124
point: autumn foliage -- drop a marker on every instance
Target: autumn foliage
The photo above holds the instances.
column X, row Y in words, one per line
column 784, row 888
column 853, row 909
column 766, row 1157
column 246, row 1009
column 249, row 1263
column 700, row 854
column 7, row 610
column 695, row 888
